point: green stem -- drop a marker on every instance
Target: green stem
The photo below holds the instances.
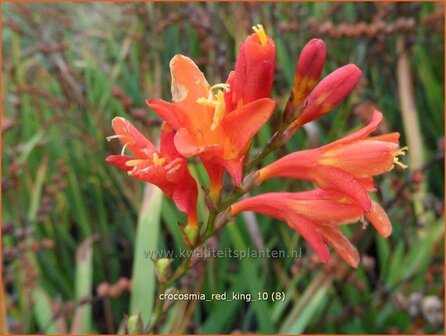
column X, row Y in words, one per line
column 209, row 225
column 158, row 311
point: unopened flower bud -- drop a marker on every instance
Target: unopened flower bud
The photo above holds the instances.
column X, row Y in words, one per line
column 191, row 234
column 308, row 71
column 163, row 269
column 329, row 93
column 135, row 325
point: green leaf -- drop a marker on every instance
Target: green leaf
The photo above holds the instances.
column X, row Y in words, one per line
column 147, row 235
column 84, row 285
column 43, row 312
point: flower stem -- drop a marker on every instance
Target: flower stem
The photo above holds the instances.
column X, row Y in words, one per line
column 158, row 311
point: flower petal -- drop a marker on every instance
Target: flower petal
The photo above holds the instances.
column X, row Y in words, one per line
column 137, row 143
column 360, row 134
column 155, row 175
column 188, row 85
column 361, row 158
column 235, row 169
column 389, row 137
column 379, row 219
column 119, row 161
column 367, row 183
column 188, row 82
column 328, row 211
column 185, row 144
column 334, row 237
column 167, row 144
column 185, row 199
column 270, row 204
column 242, row 124
column 331, row 178
column 215, row 172
column 168, row 112
column 309, row 232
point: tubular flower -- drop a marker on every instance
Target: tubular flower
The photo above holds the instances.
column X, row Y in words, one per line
column 317, row 216
column 308, row 70
column 219, row 132
column 165, row 168
column 254, row 70
column 346, row 165
column 325, row 96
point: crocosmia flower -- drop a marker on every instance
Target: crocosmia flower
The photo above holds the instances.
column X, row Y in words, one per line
column 317, row 216
column 308, row 70
column 165, row 167
column 220, row 132
column 346, row 165
column 254, row 70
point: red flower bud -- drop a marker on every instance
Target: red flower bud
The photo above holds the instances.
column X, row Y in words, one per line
column 329, row 93
column 254, row 70
column 308, row 70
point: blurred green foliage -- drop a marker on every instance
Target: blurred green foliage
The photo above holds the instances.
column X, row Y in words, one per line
column 70, row 220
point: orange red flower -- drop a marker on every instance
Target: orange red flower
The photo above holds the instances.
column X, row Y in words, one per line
column 217, row 122
column 165, row 167
column 254, row 70
column 317, row 216
column 346, row 165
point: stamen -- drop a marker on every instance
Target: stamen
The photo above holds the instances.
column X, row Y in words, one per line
column 401, row 151
column 157, row 161
column 116, row 136
column 260, row 33
column 123, row 148
column 224, row 86
column 219, row 111
column 217, row 102
column 363, row 222
column 206, row 101
column 398, row 163
column 133, row 163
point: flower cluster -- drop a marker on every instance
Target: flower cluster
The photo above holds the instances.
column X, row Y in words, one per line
column 216, row 123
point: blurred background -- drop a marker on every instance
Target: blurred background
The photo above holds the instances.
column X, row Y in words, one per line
column 74, row 229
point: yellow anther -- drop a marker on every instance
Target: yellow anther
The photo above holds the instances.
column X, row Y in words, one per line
column 217, row 102
column 133, row 163
column 157, row 161
column 398, row 163
column 206, row 101
column 219, row 111
column 401, row 151
column 258, row 29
